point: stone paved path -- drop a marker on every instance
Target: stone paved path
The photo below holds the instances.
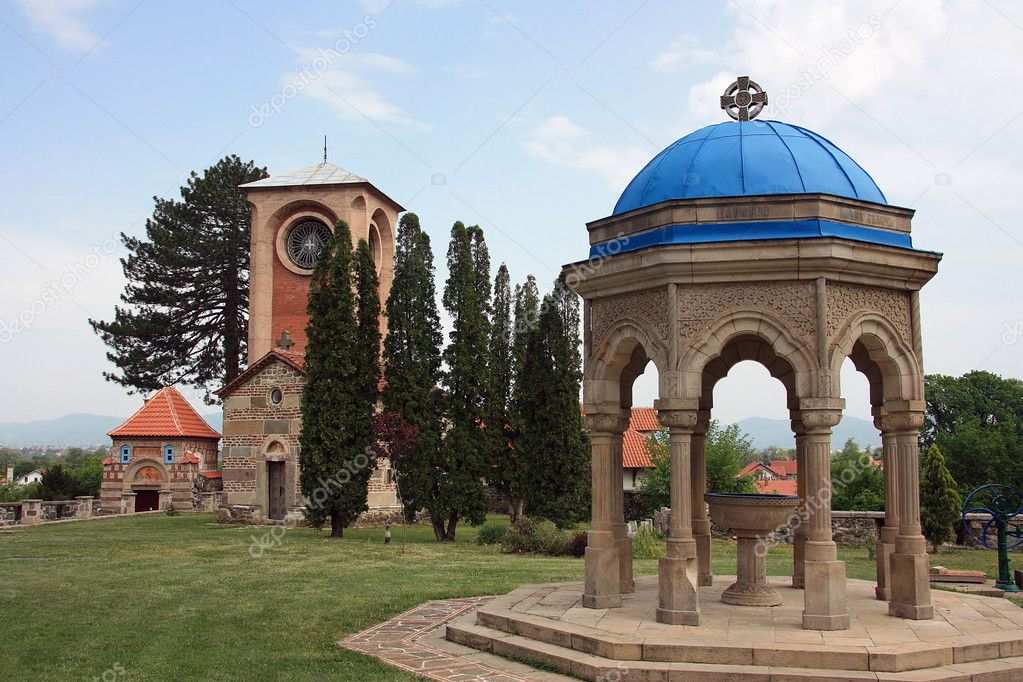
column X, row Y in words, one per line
column 413, row 641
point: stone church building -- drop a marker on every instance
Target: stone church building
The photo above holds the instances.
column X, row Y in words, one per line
column 292, row 218
column 165, row 454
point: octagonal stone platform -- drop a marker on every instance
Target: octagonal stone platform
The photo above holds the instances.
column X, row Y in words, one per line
column 971, row 639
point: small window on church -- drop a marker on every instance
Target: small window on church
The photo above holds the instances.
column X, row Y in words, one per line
column 276, row 396
column 125, row 454
column 168, row 454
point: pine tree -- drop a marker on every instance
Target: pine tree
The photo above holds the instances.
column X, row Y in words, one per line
column 467, row 300
column 527, row 314
column 940, row 503
column 337, row 402
column 412, row 360
column 553, row 445
column 184, row 317
column 502, row 474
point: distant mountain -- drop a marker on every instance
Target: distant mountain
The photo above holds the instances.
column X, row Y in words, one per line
column 767, row 432
column 82, row 430
column 91, row 430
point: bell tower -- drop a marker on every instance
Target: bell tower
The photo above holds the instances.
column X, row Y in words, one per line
column 293, row 215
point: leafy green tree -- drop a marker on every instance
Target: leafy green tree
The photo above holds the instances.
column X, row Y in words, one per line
column 184, row 312
column 940, row 503
column 728, row 451
column 553, row 443
column 57, row 484
column 337, row 402
column 503, row 471
column 467, row 380
column 412, row 360
column 977, row 422
column 856, row 484
column 88, row 475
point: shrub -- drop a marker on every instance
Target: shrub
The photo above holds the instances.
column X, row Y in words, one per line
column 534, row 536
column 647, row 544
column 577, row 545
column 491, row 534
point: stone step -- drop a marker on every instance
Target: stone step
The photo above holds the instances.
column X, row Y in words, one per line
column 588, row 666
column 620, row 647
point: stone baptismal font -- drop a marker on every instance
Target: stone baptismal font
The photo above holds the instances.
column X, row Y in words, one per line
column 752, row 518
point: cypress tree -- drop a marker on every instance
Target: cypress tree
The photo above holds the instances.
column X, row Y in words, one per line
column 412, row 360
column 940, row 503
column 337, row 405
column 553, row 446
column 184, row 318
column 467, row 300
column 502, row 472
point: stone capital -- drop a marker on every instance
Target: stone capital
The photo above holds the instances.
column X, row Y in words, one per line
column 900, row 421
column 685, row 420
column 613, row 423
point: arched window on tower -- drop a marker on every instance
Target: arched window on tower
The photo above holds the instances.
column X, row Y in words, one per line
column 375, row 247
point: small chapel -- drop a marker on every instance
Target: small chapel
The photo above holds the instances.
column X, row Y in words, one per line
column 293, row 215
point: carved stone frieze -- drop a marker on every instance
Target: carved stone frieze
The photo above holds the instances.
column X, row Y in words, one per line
column 648, row 307
column 790, row 302
column 846, row 300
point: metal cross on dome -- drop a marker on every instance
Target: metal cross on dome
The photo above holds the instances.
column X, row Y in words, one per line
column 743, row 99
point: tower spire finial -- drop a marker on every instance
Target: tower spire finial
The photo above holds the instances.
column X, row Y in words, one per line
column 324, row 149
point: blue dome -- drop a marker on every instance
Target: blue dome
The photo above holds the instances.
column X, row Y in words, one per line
column 748, row 158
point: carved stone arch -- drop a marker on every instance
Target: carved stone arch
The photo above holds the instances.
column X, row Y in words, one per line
column 618, row 359
column 275, row 450
column 133, row 469
column 878, row 350
column 747, row 335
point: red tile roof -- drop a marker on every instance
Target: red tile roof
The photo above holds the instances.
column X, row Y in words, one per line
column 166, row 413
column 190, row 458
column 783, row 487
column 751, row 467
column 642, row 423
column 644, row 419
column 212, row 474
column 783, row 467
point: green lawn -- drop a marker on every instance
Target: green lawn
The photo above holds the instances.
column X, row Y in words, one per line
column 182, row 597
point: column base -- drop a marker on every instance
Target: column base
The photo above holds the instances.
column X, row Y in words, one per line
column 798, row 561
column 600, row 589
column 911, row 587
column 626, row 583
column 704, row 574
column 678, row 601
column 883, row 590
column 825, row 606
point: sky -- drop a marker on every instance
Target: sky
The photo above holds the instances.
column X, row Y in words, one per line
column 528, row 118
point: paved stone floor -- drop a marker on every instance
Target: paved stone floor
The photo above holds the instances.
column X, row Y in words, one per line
column 957, row 617
column 414, row 641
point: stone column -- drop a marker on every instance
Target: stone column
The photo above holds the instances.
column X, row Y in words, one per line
column 802, row 529
column 911, row 589
column 701, row 522
column 31, row 512
column 602, row 584
column 166, row 500
column 128, row 503
column 84, row 507
column 890, row 530
column 623, row 542
column 825, row 606
column 678, row 602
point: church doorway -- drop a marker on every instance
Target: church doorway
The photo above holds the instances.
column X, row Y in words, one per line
column 275, row 490
column 147, row 500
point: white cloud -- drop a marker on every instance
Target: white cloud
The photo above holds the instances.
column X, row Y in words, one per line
column 560, row 141
column 340, row 83
column 61, row 20
column 681, row 54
